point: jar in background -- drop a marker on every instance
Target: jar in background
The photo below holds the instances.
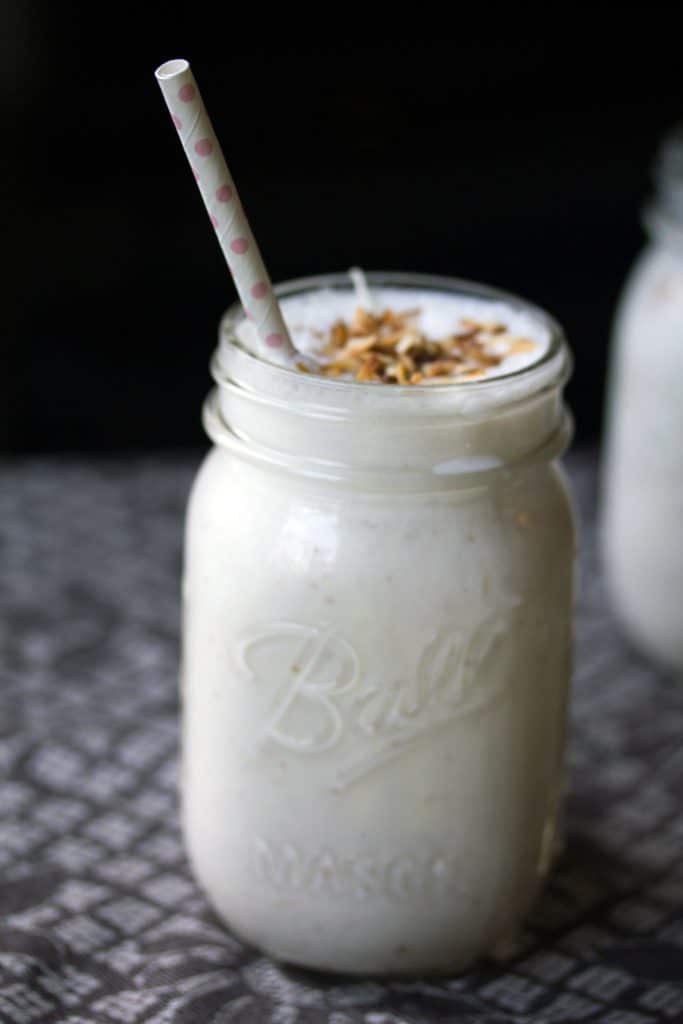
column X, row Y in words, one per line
column 376, row 655
column 642, row 527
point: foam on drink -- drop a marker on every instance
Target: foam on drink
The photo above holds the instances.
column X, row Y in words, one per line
column 511, row 339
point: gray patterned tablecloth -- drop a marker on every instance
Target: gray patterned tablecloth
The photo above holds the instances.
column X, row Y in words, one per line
column 100, row 921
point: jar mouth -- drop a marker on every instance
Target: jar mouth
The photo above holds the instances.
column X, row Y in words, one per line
column 241, row 365
column 343, row 429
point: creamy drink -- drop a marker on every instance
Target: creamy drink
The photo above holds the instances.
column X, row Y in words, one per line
column 643, row 480
column 377, row 607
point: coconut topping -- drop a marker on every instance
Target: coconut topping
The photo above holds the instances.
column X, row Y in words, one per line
column 390, row 348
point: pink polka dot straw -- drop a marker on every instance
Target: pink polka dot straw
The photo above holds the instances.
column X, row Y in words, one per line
column 222, row 202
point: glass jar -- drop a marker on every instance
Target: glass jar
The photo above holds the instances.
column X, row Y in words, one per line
column 376, row 652
column 642, row 532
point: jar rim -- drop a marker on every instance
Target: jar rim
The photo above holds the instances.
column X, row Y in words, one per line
column 328, row 387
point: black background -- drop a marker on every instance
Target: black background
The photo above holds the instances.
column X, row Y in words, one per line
column 502, row 149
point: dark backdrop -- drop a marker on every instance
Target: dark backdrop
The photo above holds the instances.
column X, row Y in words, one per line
column 509, row 151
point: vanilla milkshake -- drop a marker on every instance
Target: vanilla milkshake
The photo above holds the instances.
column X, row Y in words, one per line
column 643, row 474
column 377, row 612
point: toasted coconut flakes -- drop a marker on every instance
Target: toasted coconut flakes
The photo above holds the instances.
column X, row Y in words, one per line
column 518, row 345
column 369, row 368
column 409, row 340
column 357, row 345
column 363, row 322
column 339, row 333
column 398, row 320
column 440, row 368
column 390, row 348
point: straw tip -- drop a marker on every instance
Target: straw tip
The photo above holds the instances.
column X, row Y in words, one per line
column 171, row 68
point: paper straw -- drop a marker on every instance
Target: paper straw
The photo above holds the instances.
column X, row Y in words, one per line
column 222, row 202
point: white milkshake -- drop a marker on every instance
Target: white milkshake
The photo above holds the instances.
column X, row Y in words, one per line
column 643, row 479
column 377, row 608
column 511, row 337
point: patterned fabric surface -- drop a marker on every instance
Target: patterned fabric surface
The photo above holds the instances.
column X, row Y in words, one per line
column 100, row 921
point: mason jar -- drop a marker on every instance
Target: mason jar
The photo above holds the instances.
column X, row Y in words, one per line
column 642, row 531
column 376, row 654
